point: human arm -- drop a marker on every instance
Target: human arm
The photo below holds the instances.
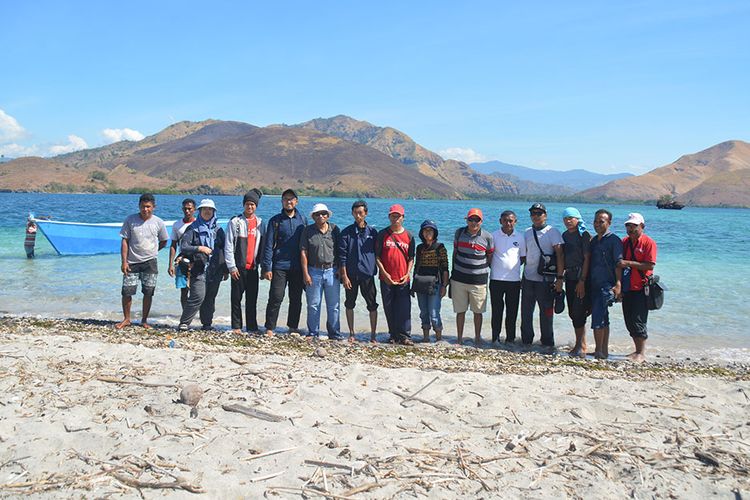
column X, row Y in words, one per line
column 306, row 279
column 383, row 273
column 229, row 241
column 581, row 285
column 172, row 252
column 560, row 256
column 617, row 289
column 124, row 267
column 266, row 263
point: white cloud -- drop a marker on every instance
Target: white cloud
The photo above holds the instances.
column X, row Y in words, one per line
column 121, row 134
column 14, row 150
column 75, row 143
column 10, row 129
column 462, row 154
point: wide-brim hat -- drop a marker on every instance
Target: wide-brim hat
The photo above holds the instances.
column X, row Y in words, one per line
column 320, row 207
column 207, row 203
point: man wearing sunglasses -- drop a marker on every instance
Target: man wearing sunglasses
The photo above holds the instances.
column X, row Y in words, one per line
column 537, row 289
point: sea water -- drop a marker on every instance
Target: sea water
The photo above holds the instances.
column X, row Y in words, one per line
column 702, row 258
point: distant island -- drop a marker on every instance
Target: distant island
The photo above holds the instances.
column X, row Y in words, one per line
column 342, row 156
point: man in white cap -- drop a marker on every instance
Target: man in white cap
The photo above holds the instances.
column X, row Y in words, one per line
column 319, row 258
column 244, row 239
column 639, row 259
column 203, row 244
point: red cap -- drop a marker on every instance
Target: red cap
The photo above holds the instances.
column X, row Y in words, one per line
column 475, row 211
column 398, row 209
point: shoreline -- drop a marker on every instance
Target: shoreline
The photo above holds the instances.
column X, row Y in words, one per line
column 89, row 411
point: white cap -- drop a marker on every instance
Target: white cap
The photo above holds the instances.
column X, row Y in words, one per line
column 207, row 203
column 320, row 207
column 635, row 218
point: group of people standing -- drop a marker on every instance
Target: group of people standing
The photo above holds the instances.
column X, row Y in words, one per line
column 537, row 267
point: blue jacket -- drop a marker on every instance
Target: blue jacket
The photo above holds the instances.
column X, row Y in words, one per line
column 357, row 251
column 281, row 244
column 214, row 265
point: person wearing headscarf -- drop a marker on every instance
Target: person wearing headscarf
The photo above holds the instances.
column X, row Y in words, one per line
column 203, row 245
column 576, row 242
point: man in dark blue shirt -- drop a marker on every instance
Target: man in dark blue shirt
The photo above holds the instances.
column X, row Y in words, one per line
column 606, row 252
column 358, row 268
column 281, row 261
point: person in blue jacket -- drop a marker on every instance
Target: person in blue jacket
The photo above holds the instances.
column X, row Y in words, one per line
column 281, row 261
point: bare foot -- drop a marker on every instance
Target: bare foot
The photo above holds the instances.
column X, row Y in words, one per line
column 146, row 325
column 237, row 331
column 600, row 355
column 460, row 340
column 373, row 339
column 269, row 333
column 426, row 339
column 578, row 352
column 122, row 324
column 636, row 357
column 477, row 340
column 351, row 339
column 438, row 336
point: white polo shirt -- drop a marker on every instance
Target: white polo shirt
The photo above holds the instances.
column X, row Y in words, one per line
column 506, row 260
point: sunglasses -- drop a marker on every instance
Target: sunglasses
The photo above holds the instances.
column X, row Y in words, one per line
column 474, row 219
column 320, row 214
column 537, row 213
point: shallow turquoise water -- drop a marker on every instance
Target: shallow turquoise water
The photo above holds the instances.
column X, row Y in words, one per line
column 704, row 316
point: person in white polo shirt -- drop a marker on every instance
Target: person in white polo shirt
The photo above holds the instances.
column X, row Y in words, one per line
column 505, row 276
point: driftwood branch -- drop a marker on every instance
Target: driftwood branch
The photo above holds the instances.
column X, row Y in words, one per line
column 115, row 380
column 251, row 412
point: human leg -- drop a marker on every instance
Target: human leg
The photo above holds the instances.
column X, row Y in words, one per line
column 635, row 312
column 314, row 297
column 460, row 297
column 478, row 305
column 498, row 305
column 350, row 301
column 209, row 304
column 546, row 302
column 478, row 328
column 195, row 299
column 276, row 291
column 238, row 290
column 528, row 304
column 250, row 278
column 129, row 288
column 512, row 297
column 402, row 314
column 332, row 292
column 386, row 291
column 369, row 293
column 147, row 274
column 294, row 280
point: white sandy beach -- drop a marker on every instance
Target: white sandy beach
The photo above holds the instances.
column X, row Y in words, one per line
column 87, row 413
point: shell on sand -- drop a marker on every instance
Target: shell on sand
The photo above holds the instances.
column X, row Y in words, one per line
column 191, row 394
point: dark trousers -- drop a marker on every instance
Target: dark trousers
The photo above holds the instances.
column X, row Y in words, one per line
column 397, row 308
column 578, row 309
column 201, row 297
column 502, row 294
column 279, row 281
column 247, row 285
column 535, row 293
column 635, row 312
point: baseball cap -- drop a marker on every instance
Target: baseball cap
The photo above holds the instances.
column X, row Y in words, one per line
column 538, row 206
column 475, row 212
column 289, row 191
column 635, row 218
column 396, row 209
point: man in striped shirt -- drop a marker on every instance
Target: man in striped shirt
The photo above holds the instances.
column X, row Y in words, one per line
column 472, row 253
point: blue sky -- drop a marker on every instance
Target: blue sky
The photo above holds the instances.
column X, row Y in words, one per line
column 606, row 86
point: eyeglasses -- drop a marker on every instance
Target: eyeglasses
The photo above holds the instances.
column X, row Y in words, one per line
column 320, row 214
column 474, row 219
column 537, row 213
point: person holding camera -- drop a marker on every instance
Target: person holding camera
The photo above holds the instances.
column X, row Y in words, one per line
column 606, row 254
column 542, row 276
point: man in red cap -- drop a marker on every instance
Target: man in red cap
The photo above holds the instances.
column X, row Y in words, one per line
column 472, row 254
column 394, row 255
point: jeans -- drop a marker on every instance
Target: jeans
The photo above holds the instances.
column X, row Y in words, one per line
column 429, row 309
column 541, row 293
column 504, row 295
column 202, row 297
column 279, row 281
column 247, row 285
column 324, row 282
column 397, row 308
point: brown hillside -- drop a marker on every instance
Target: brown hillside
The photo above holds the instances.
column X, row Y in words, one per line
column 715, row 176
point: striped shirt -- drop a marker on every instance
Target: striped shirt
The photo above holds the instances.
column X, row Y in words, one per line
column 470, row 256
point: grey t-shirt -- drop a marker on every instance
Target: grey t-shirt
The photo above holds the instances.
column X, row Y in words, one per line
column 143, row 237
column 322, row 248
column 576, row 246
column 548, row 237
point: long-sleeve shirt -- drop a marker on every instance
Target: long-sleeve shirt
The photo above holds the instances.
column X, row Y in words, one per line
column 281, row 243
column 357, row 251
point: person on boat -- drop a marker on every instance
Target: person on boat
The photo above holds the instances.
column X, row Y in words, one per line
column 576, row 241
column 242, row 252
column 536, row 289
column 203, row 243
column 505, row 276
column 143, row 235
column 606, row 253
column 319, row 259
column 394, row 255
column 472, row 254
column 30, row 240
column 431, row 261
column 178, row 229
column 281, row 262
column 639, row 259
column 358, row 268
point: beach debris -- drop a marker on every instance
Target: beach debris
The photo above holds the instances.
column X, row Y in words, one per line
column 258, row 454
column 191, row 395
column 251, row 412
column 116, row 380
column 320, row 352
column 707, row 458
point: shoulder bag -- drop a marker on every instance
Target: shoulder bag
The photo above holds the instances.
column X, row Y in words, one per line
column 653, row 287
column 547, row 263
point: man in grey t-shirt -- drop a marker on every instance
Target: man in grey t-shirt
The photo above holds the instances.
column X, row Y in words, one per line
column 143, row 235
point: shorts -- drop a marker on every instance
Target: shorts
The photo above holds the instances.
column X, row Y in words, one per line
column 578, row 309
column 635, row 312
column 366, row 287
column 180, row 280
column 467, row 297
column 146, row 273
column 600, row 297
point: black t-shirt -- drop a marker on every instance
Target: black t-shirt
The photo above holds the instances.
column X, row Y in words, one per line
column 576, row 245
